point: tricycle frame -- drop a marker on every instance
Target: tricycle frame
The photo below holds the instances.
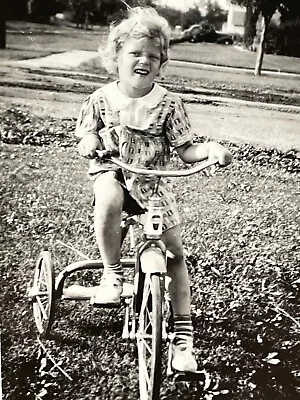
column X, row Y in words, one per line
column 147, row 305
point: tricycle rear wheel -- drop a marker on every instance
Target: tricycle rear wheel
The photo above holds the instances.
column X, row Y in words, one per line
column 43, row 293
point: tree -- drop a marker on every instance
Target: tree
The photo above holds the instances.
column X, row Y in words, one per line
column 2, row 27
column 215, row 15
column 284, row 38
column 266, row 9
column 290, row 10
column 251, row 18
column 101, row 11
column 190, row 17
column 40, row 11
column 172, row 15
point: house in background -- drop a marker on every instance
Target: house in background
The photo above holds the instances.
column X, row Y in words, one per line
column 235, row 19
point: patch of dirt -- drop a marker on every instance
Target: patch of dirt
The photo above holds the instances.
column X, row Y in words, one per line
column 86, row 81
column 247, row 93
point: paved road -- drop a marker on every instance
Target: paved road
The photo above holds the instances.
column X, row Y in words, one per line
column 243, row 124
column 239, row 124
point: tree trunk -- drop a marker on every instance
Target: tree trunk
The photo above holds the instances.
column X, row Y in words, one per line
column 250, row 22
column 2, row 30
column 261, row 48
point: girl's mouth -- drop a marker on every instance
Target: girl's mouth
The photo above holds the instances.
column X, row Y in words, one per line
column 143, row 72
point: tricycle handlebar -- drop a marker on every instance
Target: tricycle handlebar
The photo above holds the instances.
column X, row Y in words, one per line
column 166, row 173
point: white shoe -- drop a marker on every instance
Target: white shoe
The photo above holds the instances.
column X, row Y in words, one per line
column 183, row 358
column 109, row 291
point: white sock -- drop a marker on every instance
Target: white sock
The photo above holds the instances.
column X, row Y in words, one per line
column 183, row 329
column 115, row 269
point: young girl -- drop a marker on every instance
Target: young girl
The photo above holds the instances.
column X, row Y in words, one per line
column 143, row 122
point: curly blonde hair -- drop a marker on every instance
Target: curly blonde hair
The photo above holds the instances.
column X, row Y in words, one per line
column 141, row 22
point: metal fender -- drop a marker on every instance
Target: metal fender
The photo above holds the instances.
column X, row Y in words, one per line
column 152, row 260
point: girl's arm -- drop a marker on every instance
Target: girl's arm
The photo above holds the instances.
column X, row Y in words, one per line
column 190, row 153
column 88, row 145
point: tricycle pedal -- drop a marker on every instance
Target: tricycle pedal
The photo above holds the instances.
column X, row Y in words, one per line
column 198, row 376
column 105, row 305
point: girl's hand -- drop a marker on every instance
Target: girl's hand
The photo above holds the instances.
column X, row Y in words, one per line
column 216, row 150
column 88, row 145
column 190, row 153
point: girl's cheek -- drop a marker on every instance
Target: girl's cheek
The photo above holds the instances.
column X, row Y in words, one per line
column 162, row 68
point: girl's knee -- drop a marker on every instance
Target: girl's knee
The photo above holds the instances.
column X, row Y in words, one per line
column 108, row 192
column 173, row 242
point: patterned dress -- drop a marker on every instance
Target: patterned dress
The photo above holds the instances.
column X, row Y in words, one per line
column 143, row 130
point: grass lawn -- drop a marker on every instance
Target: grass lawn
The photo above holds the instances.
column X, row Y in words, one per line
column 30, row 40
column 240, row 232
column 210, row 53
column 240, row 236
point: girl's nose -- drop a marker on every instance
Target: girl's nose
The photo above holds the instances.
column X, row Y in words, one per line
column 144, row 59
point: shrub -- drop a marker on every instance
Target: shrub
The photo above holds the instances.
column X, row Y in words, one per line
column 284, row 39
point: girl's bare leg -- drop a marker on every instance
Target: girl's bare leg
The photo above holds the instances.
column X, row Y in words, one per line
column 183, row 358
column 179, row 287
column 109, row 199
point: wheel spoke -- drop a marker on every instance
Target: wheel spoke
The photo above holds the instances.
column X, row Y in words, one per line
column 42, row 294
column 42, row 277
column 149, row 314
column 145, row 297
column 143, row 364
column 42, row 309
column 146, row 344
column 148, row 353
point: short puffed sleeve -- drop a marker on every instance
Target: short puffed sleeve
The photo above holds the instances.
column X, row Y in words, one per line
column 178, row 124
column 89, row 119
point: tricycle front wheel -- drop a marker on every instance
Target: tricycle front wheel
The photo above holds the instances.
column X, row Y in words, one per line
column 42, row 293
column 149, row 337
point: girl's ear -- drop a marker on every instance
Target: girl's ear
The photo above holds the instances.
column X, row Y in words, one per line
column 162, row 69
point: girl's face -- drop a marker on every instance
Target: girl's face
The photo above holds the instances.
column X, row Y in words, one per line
column 138, row 66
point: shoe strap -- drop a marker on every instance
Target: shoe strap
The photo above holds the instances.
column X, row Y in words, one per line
column 111, row 277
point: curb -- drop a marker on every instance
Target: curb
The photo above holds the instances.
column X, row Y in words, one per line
column 189, row 64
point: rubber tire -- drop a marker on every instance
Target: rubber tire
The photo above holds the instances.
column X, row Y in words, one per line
column 149, row 337
column 44, row 303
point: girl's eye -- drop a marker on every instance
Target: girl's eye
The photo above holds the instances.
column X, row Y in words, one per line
column 154, row 58
column 135, row 53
